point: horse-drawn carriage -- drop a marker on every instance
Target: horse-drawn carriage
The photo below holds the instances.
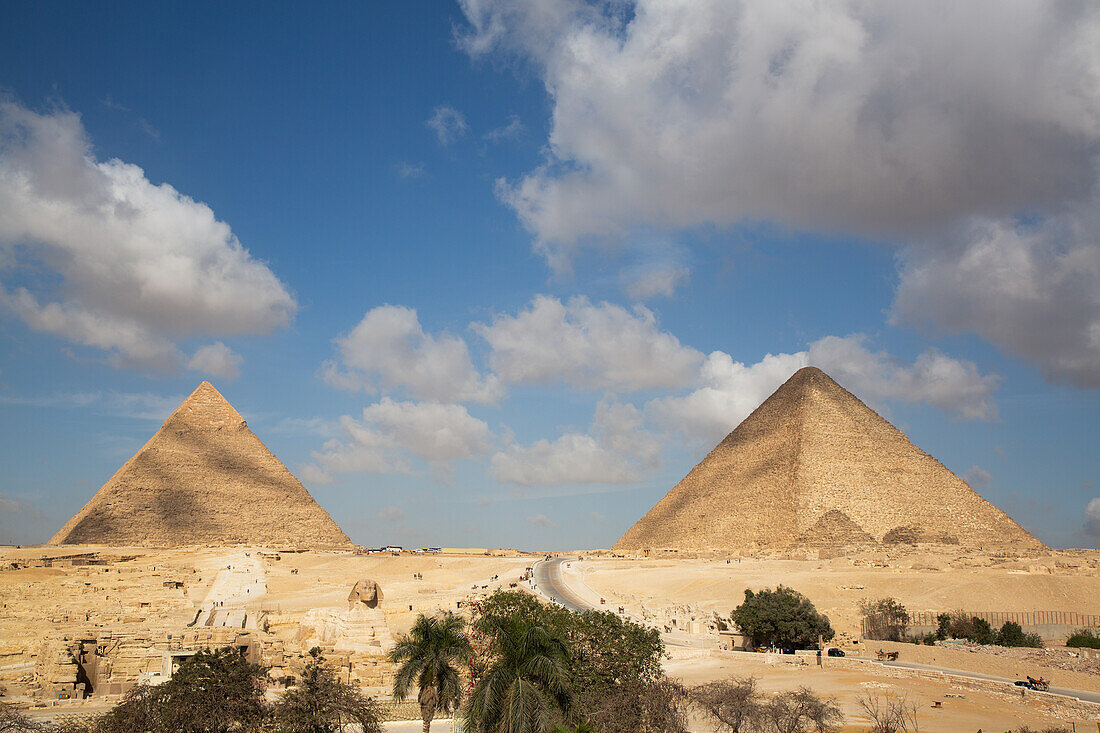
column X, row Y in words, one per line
column 886, row 656
column 1034, row 684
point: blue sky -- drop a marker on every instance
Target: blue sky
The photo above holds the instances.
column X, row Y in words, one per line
column 500, row 273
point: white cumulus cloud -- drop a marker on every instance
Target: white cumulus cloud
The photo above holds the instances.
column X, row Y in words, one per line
column 616, row 450
column 389, row 349
column 586, row 345
column 135, row 266
column 1032, row 288
column 1092, row 519
column 216, row 360
column 541, row 520
column 977, row 477
column 878, row 118
column 966, row 134
column 391, row 433
column 729, row 390
column 649, row 281
column 447, row 123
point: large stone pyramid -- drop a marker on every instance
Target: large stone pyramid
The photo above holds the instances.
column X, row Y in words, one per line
column 203, row 478
column 813, row 466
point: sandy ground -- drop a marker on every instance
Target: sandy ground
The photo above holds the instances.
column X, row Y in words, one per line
column 963, row 708
column 130, row 591
column 920, row 581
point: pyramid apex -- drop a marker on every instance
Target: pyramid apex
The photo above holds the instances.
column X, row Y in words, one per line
column 810, row 372
column 206, row 406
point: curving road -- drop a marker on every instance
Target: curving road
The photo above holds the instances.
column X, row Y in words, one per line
column 549, row 584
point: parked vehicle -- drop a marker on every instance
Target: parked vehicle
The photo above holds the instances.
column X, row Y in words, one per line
column 834, row 652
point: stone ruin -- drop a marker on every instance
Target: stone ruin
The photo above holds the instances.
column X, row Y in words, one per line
column 360, row 631
column 367, row 592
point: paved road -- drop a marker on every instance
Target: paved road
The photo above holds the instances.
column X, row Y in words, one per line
column 1083, row 694
column 549, row 583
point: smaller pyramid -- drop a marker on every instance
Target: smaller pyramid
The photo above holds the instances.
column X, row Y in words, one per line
column 834, row 529
column 203, row 478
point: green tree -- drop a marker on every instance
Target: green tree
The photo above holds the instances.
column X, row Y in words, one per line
column 944, row 629
column 1084, row 639
column 212, row 692
column 1012, row 634
column 783, row 618
column 885, row 619
column 321, row 703
column 605, row 649
column 427, row 656
column 524, row 688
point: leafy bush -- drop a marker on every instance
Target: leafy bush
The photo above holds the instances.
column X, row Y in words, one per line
column 616, row 683
column 212, row 692
column 1084, row 638
column 1011, row 634
column 605, row 649
column 654, row 707
column 782, row 618
column 958, row 625
column 884, row 619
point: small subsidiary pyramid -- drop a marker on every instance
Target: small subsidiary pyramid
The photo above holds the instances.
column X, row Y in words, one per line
column 203, row 478
column 813, row 466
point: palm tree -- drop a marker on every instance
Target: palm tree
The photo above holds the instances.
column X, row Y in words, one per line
column 525, row 688
column 427, row 655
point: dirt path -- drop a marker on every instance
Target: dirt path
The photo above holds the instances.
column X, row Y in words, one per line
column 241, row 582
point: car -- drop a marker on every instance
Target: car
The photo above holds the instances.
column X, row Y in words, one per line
column 834, row 652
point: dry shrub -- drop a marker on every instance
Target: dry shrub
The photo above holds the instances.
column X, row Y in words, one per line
column 890, row 714
column 734, row 704
column 802, row 711
column 629, row 707
column 737, row 706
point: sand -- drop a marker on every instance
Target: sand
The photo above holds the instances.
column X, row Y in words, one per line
column 921, row 581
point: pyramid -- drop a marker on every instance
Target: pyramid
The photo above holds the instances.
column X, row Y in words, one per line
column 203, row 478
column 813, row 466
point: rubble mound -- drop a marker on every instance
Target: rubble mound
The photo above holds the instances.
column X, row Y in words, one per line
column 834, row 529
column 204, row 478
column 912, row 534
column 813, row 465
